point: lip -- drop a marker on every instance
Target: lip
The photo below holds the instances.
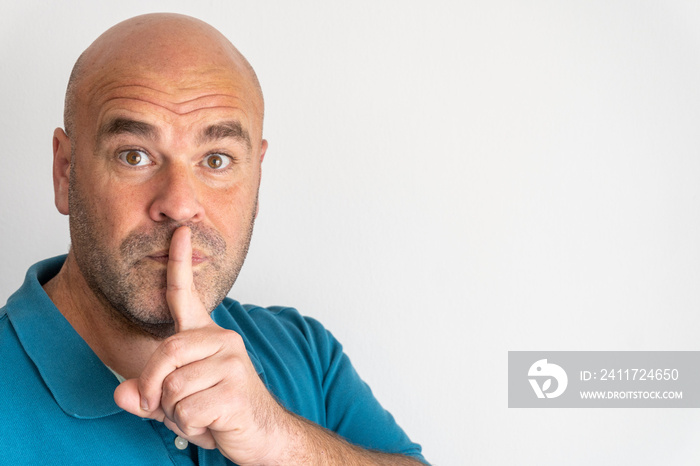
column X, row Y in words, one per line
column 162, row 257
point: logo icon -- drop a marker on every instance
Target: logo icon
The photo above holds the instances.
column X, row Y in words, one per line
column 542, row 370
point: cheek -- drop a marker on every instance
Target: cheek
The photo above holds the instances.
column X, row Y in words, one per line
column 120, row 209
column 231, row 210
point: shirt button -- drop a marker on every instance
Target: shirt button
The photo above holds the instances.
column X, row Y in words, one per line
column 180, row 443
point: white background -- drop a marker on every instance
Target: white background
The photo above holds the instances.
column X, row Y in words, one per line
column 446, row 181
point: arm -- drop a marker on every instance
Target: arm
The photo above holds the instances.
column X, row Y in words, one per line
column 321, row 446
column 202, row 385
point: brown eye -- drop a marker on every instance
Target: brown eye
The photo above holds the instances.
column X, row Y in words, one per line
column 217, row 161
column 134, row 158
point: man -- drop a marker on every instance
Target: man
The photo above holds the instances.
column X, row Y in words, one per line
column 158, row 169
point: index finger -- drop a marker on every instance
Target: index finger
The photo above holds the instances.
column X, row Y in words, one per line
column 185, row 306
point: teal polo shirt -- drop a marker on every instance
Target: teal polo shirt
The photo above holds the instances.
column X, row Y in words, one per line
column 56, row 396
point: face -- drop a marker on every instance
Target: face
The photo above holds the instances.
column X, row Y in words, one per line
column 154, row 150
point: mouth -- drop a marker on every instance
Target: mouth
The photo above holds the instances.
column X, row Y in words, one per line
column 162, row 257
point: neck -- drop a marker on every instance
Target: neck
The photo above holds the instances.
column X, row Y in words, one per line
column 110, row 336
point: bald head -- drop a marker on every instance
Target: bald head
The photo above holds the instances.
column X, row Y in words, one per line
column 188, row 52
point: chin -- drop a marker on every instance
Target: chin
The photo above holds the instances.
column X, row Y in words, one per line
column 156, row 331
column 145, row 316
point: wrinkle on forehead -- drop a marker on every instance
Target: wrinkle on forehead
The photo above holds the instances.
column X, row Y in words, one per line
column 176, row 96
column 180, row 108
column 178, row 58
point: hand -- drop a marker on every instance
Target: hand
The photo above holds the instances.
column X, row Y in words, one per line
column 200, row 382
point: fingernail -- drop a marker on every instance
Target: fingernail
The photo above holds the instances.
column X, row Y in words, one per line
column 144, row 404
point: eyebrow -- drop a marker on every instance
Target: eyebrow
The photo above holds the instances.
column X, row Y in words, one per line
column 231, row 129
column 121, row 125
column 225, row 130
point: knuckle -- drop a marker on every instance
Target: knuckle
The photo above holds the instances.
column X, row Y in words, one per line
column 208, row 443
column 191, row 432
column 234, row 339
column 172, row 387
column 178, row 285
column 237, row 369
column 172, row 346
column 183, row 415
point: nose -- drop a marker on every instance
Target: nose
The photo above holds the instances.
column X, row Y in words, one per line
column 176, row 197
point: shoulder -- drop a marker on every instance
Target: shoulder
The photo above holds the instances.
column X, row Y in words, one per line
column 280, row 336
column 282, row 325
column 288, row 318
column 291, row 353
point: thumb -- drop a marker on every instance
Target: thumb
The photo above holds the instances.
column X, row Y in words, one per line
column 187, row 310
column 127, row 397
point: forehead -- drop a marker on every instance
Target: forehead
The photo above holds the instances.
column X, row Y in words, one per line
column 175, row 96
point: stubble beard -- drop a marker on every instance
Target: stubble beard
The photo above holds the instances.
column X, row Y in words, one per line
column 130, row 285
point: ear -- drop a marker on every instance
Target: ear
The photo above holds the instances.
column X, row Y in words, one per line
column 61, row 169
column 263, row 150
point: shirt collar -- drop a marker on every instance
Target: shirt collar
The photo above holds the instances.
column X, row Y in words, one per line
column 78, row 380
